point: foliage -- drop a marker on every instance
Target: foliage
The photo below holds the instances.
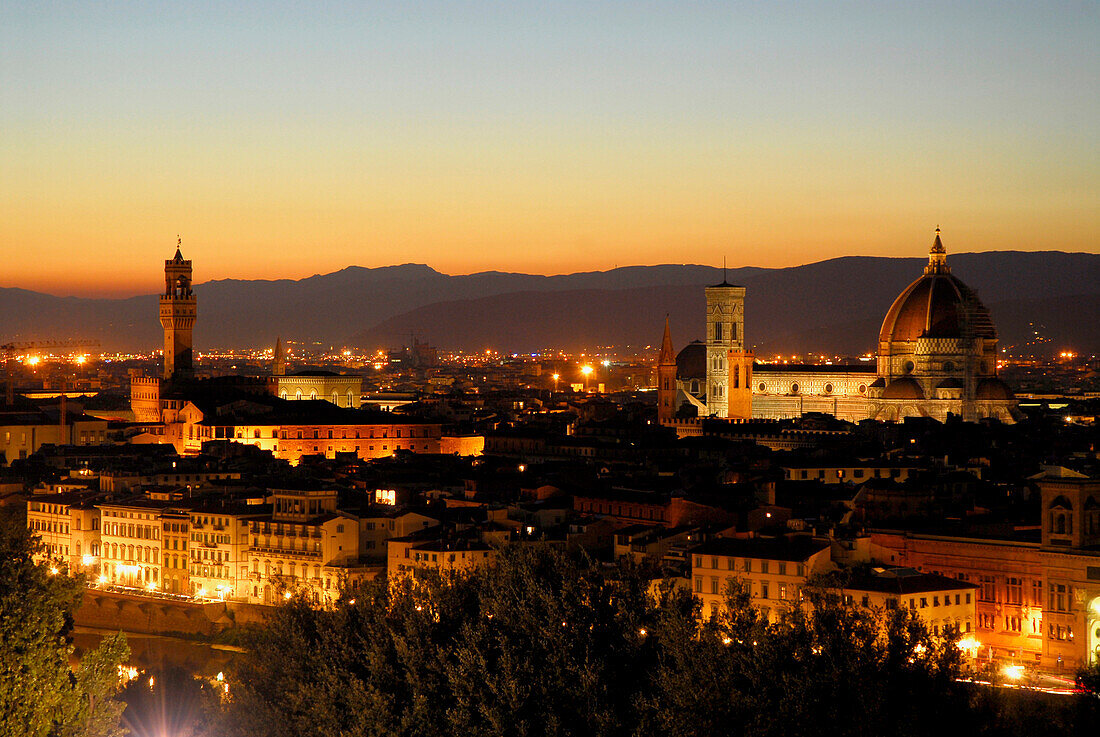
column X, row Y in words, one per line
column 39, row 693
column 542, row 644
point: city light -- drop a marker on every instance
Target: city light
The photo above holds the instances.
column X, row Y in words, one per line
column 969, row 645
column 1013, row 672
column 87, row 559
column 32, row 360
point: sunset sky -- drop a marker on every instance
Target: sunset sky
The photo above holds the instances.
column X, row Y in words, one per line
column 284, row 140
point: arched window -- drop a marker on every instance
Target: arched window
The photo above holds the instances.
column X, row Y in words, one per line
column 298, row 394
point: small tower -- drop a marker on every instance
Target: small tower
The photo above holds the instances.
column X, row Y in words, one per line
column 937, row 257
column 666, row 380
column 177, row 316
column 278, row 363
column 725, row 333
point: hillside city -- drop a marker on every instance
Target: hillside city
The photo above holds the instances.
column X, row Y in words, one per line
column 217, row 486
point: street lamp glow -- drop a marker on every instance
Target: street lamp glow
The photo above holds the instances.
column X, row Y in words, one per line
column 586, row 370
column 80, row 360
column 32, row 360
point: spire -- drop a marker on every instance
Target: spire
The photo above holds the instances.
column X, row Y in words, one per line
column 278, row 363
column 179, row 244
column 937, row 257
column 667, row 356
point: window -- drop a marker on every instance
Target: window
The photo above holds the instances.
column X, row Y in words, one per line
column 698, row 584
column 763, row 589
column 988, row 590
column 1014, row 591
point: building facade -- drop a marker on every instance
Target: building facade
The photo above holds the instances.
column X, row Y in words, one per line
column 937, row 356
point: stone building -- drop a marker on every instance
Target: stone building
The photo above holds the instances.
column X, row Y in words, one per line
column 1038, row 600
column 937, row 356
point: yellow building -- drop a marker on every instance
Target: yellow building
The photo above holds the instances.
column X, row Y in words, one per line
column 176, row 538
column 305, row 546
column 772, row 570
column 67, row 525
column 130, row 535
column 23, row 433
column 407, row 555
column 219, row 550
column 378, row 525
column 945, row 605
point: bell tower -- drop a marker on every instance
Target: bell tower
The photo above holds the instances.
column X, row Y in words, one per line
column 177, row 316
column 666, row 380
column 725, row 333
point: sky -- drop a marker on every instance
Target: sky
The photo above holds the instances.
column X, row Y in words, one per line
column 281, row 140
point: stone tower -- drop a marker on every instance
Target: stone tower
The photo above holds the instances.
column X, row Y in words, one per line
column 725, row 333
column 177, row 317
column 666, row 380
column 278, row 363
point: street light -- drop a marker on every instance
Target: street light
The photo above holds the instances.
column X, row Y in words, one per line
column 555, row 377
column 586, row 370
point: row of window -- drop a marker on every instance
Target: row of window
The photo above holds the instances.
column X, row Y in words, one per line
column 142, row 532
column 782, row 568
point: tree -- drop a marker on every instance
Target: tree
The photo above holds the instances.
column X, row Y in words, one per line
column 39, row 693
column 544, row 644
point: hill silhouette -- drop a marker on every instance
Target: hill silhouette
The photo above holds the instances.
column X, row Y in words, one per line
column 835, row 306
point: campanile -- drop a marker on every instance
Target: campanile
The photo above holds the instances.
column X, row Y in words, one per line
column 177, row 316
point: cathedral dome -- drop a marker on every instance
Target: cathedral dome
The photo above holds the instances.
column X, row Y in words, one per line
column 691, row 361
column 903, row 388
column 936, row 305
column 994, row 389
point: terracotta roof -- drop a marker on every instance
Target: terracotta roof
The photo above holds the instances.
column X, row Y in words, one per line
column 936, row 305
column 903, row 388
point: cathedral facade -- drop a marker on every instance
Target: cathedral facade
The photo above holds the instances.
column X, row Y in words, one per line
column 937, row 356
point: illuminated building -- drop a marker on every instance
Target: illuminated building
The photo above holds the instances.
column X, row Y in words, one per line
column 305, row 546
column 67, row 525
column 1038, row 601
column 936, row 357
column 175, row 541
column 24, row 430
column 130, row 541
column 771, row 570
column 219, row 549
column 178, row 310
column 406, row 555
column 343, row 390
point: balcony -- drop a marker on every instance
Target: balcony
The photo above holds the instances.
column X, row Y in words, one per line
column 271, row 550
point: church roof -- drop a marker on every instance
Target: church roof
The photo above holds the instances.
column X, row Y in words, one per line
column 691, row 361
column 903, row 388
column 993, row 389
column 667, row 357
column 936, row 305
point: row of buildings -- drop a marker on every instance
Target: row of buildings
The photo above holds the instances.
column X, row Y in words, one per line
column 308, row 413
